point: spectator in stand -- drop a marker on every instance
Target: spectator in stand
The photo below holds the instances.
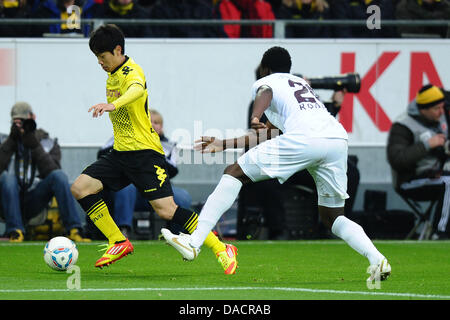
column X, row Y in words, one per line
column 304, row 9
column 125, row 9
column 357, row 10
column 256, row 10
column 11, row 9
column 185, row 9
column 227, row 10
column 423, row 10
column 36, row 179
column 58, row 9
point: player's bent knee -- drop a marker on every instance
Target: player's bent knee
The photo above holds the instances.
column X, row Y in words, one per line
column 165, row 208
column 234, row 170
column 329, row 214
column 84, row 186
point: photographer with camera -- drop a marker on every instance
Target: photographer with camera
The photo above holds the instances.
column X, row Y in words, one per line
column 36, row 179
column 418, row 152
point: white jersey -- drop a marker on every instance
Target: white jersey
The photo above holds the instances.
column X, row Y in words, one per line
column 295, row 108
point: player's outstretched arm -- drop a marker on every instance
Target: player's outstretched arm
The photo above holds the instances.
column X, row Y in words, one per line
column 133, row 93
column 260, row 132
column 213, row 144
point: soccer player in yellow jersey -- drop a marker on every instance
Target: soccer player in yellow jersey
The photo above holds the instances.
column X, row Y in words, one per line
column 137, row 156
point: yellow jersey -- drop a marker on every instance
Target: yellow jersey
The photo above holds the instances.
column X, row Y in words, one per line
column 131, row 123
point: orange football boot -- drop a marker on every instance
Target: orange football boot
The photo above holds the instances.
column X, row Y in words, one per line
column 227, row 258
column 114, row 252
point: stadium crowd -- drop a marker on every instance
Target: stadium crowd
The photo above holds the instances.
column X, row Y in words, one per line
column 228, row 10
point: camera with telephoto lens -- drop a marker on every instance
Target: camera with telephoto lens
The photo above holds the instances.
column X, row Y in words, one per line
column 349, row 81
column 29, row 125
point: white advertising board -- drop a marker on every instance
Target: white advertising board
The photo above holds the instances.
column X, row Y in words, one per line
column 202, row 87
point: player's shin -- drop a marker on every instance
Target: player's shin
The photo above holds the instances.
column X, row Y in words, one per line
column 218, row 202
column 98, row 212
column 354, row 235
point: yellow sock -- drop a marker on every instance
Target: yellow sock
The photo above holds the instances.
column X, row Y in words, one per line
column 214, row 243
column 211, row 241
column 99, row 214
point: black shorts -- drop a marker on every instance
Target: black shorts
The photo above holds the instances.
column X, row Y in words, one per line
column 146, row 169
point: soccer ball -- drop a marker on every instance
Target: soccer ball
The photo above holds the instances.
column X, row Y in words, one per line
column 60, row 253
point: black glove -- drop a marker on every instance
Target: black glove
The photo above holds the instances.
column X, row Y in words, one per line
column 29, row 140
column 15, row 132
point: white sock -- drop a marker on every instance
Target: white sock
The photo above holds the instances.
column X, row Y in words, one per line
column 354, row 235
column 217, row 203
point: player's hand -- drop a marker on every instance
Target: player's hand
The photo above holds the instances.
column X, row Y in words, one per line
column 338, row 97
column 100, row 108
column 255, row 124
column 208, row 145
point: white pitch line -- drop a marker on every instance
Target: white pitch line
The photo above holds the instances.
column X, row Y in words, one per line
column 329, row 291
column 245, row 243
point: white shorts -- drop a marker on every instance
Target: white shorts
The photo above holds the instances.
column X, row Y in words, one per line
column 281, row 157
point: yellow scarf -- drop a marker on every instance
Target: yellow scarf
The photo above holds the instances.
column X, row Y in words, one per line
column 420, row 2
column 122, row 10
column 300, row 5
column 10, row 4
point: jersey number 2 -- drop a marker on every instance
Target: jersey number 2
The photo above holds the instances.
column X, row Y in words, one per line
column 299, row 93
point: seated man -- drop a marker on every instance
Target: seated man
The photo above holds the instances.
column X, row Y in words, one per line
column 26, row 192
column 128, row 200
column 418, row 152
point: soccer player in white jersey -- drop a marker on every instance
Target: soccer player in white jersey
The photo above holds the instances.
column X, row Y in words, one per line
column 311, row 139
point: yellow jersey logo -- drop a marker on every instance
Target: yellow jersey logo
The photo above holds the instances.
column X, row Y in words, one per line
column 161, row 173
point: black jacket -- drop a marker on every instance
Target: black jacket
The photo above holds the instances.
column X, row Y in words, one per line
column 405, row 151
column 44, row 158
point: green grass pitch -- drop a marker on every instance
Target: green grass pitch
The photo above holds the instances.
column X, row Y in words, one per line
column 279, row 270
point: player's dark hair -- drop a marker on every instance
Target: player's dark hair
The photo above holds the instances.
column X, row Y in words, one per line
column 105, row 38
column 277, row 59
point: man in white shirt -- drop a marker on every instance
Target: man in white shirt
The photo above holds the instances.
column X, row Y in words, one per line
column 311, row 139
